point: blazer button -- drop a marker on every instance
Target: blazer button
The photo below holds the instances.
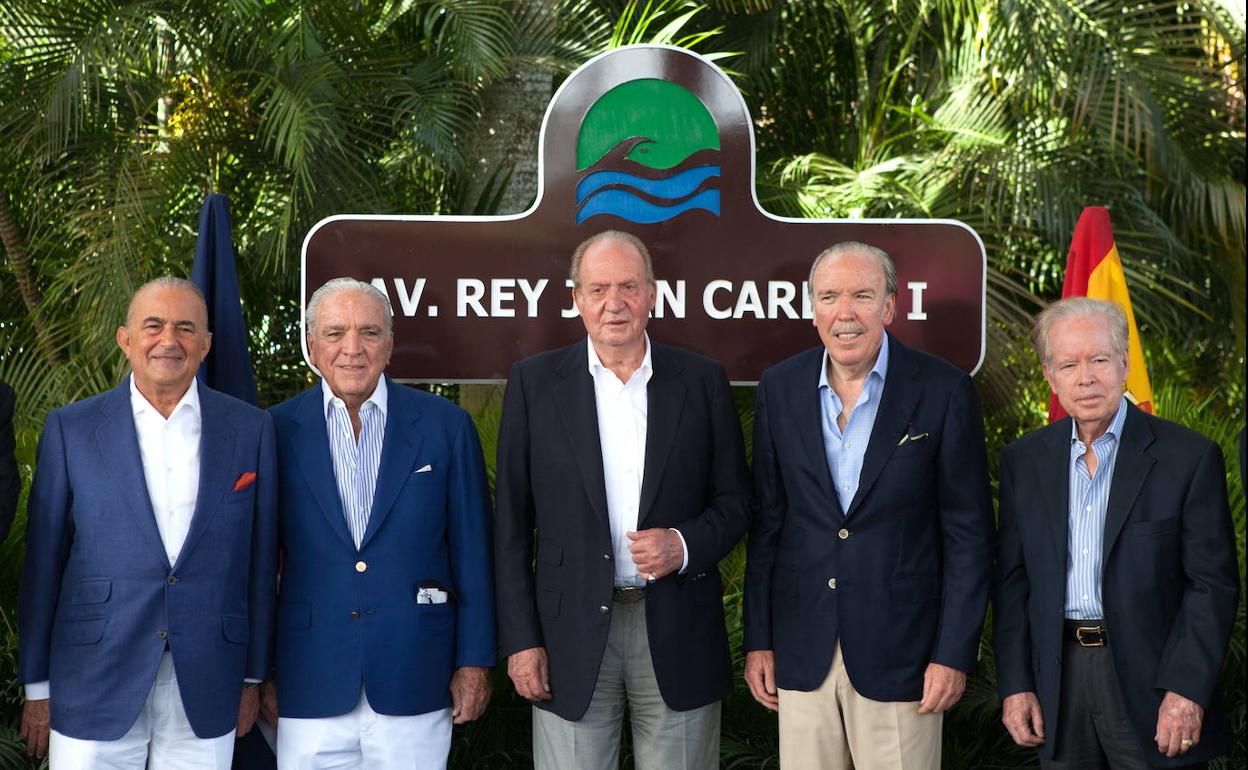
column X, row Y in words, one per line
column 832, row 584
column 163, row 634
column 361, row 566
column 355, row 614
column 173, row 580
column 606, row 557
column 604, row 609
column 843, row 533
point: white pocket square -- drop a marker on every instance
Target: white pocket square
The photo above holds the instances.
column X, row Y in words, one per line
column 908, row 437
column 423, row 469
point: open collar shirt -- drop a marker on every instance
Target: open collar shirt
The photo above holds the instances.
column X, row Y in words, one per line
column 845, row 449
column 356, row 462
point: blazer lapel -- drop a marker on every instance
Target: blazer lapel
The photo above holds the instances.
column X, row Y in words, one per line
column 311, row 450
column 1053, row 468
column 575, row 395
column 1131, row 467
column 399, row 448
column 665, row 394
column 216, row 455
column 119, row 449
column 892, row 420
column 805, row 400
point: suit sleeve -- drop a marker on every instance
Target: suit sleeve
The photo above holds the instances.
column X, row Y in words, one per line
column 1011, row 634
column 1192, row 658
column 262, row 581
column 764, row 534
column 10, row 482
column 469, row 538
column 49, row 531
column 518, row 624
column 710, row 535
column 965, row 509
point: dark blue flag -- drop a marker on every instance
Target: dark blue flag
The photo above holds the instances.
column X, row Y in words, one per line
column 228, row 365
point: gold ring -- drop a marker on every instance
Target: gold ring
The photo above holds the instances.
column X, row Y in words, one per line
column 1185, row 743
column 651, row 579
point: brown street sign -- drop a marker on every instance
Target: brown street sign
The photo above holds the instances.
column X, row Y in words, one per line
column 655, row 141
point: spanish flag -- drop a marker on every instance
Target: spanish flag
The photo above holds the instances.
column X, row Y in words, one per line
column 1093, row 269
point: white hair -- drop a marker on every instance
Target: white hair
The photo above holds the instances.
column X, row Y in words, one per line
column 339, row 285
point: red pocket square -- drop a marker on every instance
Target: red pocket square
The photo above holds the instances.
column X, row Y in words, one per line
column 244, row 481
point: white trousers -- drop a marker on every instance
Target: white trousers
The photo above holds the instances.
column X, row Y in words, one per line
column 362, row 739
column 161, row 738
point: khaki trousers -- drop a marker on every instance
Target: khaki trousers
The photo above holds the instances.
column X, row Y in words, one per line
column 835, row 728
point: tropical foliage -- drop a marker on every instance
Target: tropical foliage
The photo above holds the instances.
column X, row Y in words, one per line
column 1011, row 115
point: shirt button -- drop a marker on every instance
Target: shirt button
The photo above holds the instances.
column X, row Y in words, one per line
column 1085, row 597
column 604, row 609
column 1088, row 509
column 832, row 584
column 1085, row 551
column 843, row 534
column 361, row 566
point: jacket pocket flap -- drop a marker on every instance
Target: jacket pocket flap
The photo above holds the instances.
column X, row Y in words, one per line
column 549, row 553
column 88, row 631
column 295, row 615
column 93, row 591
column 235, row 628
column 915, row 590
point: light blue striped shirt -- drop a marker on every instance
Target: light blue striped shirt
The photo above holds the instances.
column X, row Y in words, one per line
column 1089, row 499
column 356, row 463
column 845, row 450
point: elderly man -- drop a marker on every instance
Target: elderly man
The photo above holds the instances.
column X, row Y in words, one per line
column 148, row 586
column 622, row 459
column 386, row 612
column 10, row 482
column 1116, row 581
column 869, row 562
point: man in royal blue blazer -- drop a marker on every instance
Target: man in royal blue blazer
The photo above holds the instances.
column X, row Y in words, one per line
column 148, row 586
column 869, row 562
column 1116, row 583
column 386, row 610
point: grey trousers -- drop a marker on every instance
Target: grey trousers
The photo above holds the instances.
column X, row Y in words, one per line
column 663, row 739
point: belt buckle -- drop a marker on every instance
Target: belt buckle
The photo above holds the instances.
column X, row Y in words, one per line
column 629, row 594
column 1098, row 641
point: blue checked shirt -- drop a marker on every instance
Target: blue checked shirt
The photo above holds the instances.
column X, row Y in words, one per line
column 1089, row 499
column 845, row 450
column 356, row 463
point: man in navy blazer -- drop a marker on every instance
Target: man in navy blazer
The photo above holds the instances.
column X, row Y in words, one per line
column 1116, row 582
column 869, row 562
column 386, row 611
column 148, row 586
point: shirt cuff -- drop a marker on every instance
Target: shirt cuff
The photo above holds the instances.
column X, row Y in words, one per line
column 37, row 690
column 684, row 548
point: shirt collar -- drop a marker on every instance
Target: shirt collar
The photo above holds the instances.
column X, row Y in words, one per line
column 1114, row 430
column 596, row 365
column 380, row 397
column 140, row 405
column 880, row 369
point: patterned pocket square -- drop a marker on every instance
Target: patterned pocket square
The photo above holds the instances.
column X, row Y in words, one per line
column 423, row 469
column 244, row 481
column 908, row 437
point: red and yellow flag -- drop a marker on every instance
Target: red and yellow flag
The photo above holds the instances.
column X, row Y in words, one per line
column 1093, row 269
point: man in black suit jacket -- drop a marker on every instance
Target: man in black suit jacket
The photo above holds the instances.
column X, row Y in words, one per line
column 10, row 482
column 1116, row 581
column 870, row 558
column 626, row 457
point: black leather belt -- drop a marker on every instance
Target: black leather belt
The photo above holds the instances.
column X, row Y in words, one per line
column 629, row 594
column 1086, row 633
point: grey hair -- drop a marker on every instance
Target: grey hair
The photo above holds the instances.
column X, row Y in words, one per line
column 574, row 270
column 854, row 247
column 339, row 285
column 169, row 282
column 1085, row 307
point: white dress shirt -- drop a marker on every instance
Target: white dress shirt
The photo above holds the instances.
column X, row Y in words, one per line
column 622, row 420
column 169, row 452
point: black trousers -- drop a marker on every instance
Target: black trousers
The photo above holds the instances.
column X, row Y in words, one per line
column 1093, row 730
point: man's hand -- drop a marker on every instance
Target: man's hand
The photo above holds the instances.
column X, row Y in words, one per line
column 530, row 673
column 942, row 688
column 268, row 702
column 248, row 708
column 760, row 675
column 1020, row 713
column 470, row 693
column 656, row 552
column 35, row 729
column 1178, row 724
